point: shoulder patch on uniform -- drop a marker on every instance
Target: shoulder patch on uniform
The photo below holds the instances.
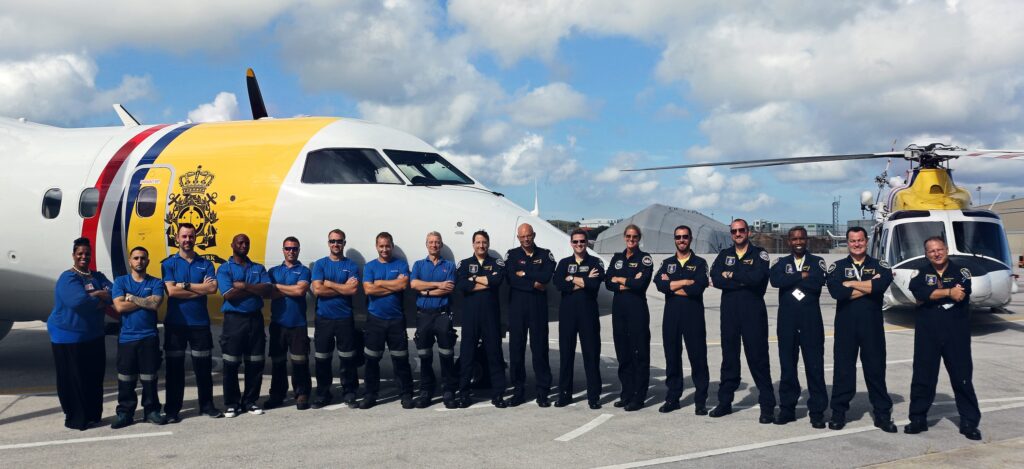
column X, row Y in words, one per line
column 618, row 264
column 458, row 264
column 821, row 263
column 551, row 256
column 883, row 264
column 965, row 272
column 831, row 268
column 600, row 263
column 500, row 262
column 648, row 261
column 764, row 256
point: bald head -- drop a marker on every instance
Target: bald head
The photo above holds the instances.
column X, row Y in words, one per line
column 525, row 234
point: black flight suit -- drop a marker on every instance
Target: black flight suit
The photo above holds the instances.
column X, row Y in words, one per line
column 631, row 323
column 942, row 330
column 744, row 316
column 578, row 314
column 859, row 328
column 481, row 320
column 528, row 314
column 683, row 322
column 799, row 328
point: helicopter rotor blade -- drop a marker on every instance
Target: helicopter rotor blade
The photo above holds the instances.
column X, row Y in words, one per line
column 994, row 154
column 777, row 161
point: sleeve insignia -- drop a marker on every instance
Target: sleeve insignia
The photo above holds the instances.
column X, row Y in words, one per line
column 764, row 256
column 831, row 268
column 648, row 261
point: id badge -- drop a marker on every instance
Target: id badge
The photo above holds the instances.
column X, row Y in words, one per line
column 89, row 287
column 799, row 295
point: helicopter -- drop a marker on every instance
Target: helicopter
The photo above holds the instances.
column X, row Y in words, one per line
column 928, row 204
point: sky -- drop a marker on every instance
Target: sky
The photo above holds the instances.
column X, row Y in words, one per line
column 564, row 93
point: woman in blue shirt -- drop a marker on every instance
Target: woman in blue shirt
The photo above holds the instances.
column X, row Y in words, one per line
column 76, row 335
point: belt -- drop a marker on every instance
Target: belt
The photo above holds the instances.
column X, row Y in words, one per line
column 434, row 310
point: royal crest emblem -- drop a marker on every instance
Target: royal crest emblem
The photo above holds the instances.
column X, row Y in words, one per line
column 194, row 204
column 730, row 261
column 474, row 268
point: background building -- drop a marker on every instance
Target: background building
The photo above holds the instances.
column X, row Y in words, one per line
column 657, row 223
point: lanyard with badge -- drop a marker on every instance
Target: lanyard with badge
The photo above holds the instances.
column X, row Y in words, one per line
column 799, row 295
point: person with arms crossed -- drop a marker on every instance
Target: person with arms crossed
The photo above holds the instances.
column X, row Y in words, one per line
column 628, row 277
column 433, row 279
column 335, row 283
column 188, row 278
column 528, row 271
column 384, row 281
column 683, row 279
column 136, row 297
column 289, row 339
column 75, row 326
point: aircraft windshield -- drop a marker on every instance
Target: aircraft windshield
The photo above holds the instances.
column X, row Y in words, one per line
column 981, row 238
column 908, row 239
column 428, row 169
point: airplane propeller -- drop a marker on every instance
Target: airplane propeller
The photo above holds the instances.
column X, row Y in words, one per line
column 259, row 110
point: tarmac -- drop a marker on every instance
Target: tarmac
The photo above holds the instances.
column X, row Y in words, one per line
column 32, row 434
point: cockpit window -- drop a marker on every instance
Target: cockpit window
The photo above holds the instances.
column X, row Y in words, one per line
column 428, row 169
column 908, row 239
column 347, row 166
column 981, row 238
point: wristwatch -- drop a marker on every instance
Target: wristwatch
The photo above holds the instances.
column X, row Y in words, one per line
column 187, row 286
column 425, row 292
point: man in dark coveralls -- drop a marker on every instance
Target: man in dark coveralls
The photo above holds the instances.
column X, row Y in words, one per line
column 942, row 330
column 857, row 282
column 741, row 272
column 799, row 278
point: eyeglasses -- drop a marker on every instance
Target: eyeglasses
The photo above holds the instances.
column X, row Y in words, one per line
column 291, row 248
column 579, row 241
column 678, row 237
column 631, row 236
column 336, row 241
column 738, row 230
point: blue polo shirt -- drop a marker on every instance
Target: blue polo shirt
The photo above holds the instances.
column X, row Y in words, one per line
column 191, row 312
column 425, row 270
column 289, row 311
column 76, row 316
column 339, row 271
column 387, row 307
column 141, row 323
column 251, row 273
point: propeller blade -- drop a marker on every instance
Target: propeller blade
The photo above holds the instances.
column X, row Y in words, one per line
column 996, row 154
column 777, row 161
column 259, row 110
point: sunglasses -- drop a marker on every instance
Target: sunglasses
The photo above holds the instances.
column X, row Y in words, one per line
column 291, row 249
column 336, row 241
column 631, row 237
column 738, row 230
column 678, row 237
column 579, row 241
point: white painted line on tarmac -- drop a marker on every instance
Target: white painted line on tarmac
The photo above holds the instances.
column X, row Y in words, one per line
column 785, row 441
column 891, row 362
column 83, row 440
column 478, row 405
column 585, row 428
column 336, row 406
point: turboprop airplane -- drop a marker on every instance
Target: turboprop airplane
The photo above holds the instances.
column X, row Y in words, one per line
column 269, row 178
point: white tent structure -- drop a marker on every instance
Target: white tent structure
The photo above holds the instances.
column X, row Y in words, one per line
column 657, row 223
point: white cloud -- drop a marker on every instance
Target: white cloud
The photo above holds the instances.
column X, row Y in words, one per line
column 223, row 108
column 707, row 188
column 527, row 160
column 61, row 88
column 59, row 25
column 549, row 104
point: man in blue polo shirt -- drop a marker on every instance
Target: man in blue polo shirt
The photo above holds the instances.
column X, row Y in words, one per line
column 288, row 328
column 335, row 282
column 188, row 278
column 243, row 284
column 384, row 280
column 137, row 296
column 433, row 279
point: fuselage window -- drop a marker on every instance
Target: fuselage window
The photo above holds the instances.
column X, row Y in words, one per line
column 347, row 166
column 145, row 205
column 427, row 168
column 51, row 203
column 89, row 202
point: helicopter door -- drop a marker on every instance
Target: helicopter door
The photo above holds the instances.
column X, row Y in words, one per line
column 145, row 205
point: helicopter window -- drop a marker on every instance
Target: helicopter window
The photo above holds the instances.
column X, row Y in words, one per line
column 88, row 202
column 51, row 203
column 347, row 166
column 427, row 168
column 981, row 238
column 908, row 239
column 145, row 205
